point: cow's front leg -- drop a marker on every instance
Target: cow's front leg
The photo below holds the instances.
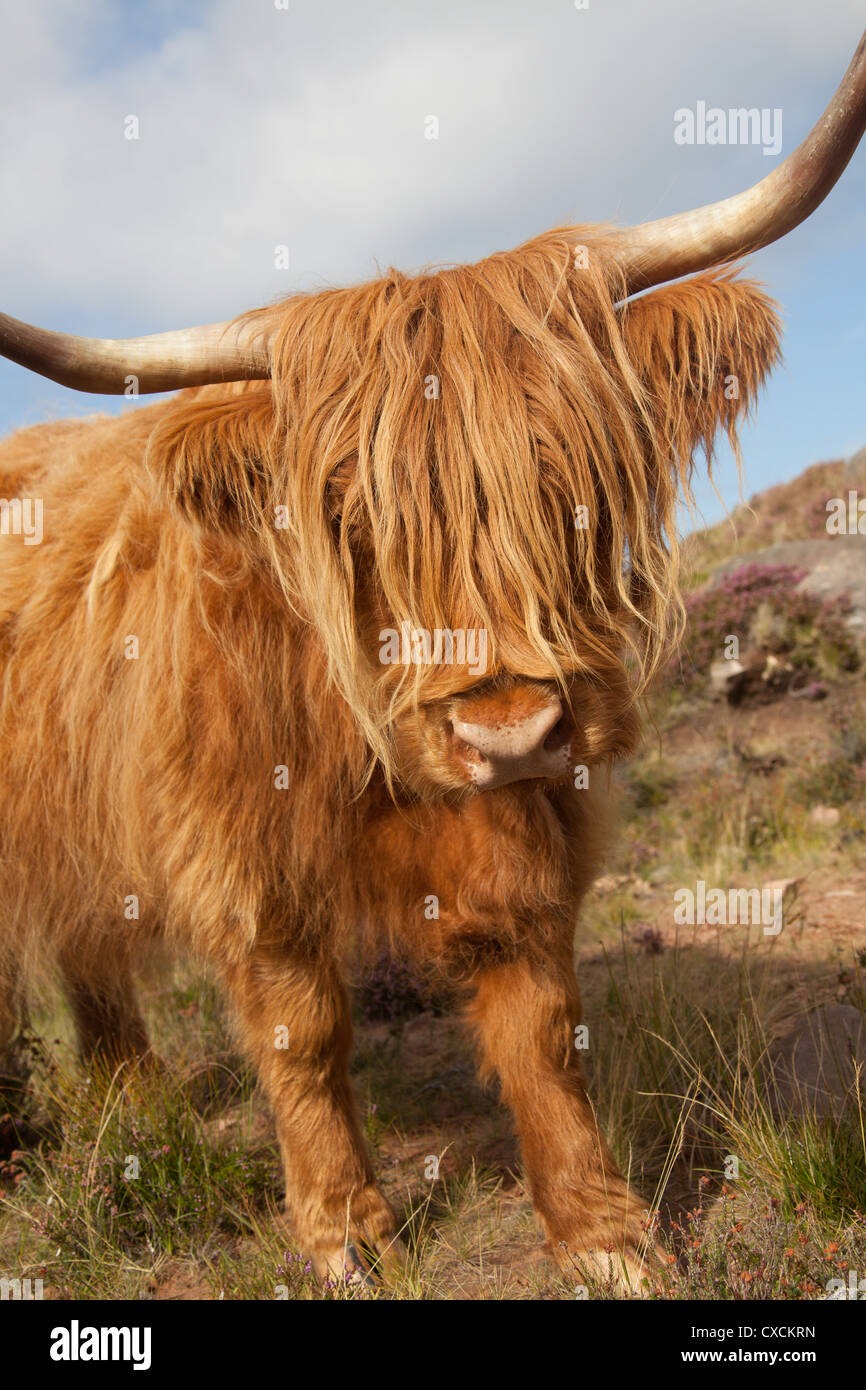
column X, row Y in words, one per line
column 525, row 1012
column 296, row 1024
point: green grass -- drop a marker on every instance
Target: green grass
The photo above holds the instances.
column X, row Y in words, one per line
column 677, row 1047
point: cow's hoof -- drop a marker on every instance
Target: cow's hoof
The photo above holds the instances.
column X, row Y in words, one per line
column 343, row 1266
column 361, row 1265
column 629, row 1273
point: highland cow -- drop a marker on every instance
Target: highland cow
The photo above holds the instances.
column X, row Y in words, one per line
column 195, row 716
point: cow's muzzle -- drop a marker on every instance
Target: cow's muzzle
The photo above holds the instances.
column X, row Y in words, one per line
column 513, row 750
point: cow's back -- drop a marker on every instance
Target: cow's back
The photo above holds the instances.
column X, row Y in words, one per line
column 65, row 609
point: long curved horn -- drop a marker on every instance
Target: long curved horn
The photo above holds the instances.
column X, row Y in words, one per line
column 233, row 351
column 653, row 252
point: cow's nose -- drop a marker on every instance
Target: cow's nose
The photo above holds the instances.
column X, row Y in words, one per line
column 536, row 746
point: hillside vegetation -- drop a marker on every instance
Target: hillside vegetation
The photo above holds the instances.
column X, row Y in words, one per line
column 796, row 510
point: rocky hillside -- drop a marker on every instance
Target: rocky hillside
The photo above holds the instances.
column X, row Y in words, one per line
column 792, row 511
column 776, row 595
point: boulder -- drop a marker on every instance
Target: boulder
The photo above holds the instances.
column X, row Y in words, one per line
column 813, row 1068
column 759, row 677
column 834, row 566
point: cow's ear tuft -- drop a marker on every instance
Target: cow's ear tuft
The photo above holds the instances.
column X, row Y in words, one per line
column 702, row 348
column 211, row 451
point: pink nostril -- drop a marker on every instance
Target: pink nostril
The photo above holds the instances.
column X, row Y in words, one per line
column 559, row 735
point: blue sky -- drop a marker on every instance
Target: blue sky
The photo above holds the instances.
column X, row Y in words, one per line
column 305, row 127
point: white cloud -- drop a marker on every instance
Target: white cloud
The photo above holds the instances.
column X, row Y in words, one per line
column 306, row 127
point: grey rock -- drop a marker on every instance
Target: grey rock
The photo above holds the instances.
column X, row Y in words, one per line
column 725, row 676
column 835, row 566
column 760, row 676
column 813, row 1068
column 662, row 873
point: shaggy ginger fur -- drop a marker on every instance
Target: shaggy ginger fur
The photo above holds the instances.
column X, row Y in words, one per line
column 254, row 540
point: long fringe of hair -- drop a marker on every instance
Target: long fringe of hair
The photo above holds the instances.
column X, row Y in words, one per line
column 436, row 443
